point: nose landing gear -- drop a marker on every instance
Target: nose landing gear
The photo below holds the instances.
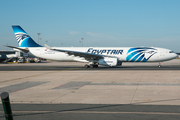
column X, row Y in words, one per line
column 159, row 64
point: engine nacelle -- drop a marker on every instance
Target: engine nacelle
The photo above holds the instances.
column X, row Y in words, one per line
column 108, row 61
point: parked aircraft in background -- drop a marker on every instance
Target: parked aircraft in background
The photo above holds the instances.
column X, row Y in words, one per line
column 94, row 56
column 7, row 55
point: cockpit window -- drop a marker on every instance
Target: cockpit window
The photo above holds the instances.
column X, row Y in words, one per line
column 171, row 51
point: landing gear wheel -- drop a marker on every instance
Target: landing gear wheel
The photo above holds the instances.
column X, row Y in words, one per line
column 86, row 66
column 96, row 66
column 91, row 66
column 159, row 64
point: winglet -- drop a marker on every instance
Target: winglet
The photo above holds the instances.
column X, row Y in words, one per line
column 48, row 47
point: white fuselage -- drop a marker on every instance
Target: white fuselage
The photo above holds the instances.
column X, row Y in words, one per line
column 123, row 54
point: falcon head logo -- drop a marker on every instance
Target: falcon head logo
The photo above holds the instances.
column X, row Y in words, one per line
column 21, row 36
column 140, row 54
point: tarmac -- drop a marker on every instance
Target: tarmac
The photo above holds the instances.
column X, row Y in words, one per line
column 67, row 90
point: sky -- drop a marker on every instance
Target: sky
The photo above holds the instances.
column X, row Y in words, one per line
column 102, row 23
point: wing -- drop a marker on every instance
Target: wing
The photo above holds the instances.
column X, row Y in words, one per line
column 87, row 56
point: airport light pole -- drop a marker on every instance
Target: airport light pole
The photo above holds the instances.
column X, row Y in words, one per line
column 80, row 43
column 38, row 36
column 40, row 40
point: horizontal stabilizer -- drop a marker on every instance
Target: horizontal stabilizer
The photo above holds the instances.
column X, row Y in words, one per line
column 26, row 50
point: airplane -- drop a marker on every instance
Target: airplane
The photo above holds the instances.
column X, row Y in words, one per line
column 94, row 56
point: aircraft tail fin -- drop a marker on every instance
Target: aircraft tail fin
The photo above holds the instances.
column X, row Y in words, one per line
column 23, row 39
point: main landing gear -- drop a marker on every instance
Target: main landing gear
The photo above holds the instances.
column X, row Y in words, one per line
column 91, row 66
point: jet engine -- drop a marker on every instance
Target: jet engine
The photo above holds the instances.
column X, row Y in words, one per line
column 108, row 61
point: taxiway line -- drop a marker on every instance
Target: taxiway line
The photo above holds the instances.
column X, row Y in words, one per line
column 91, row 112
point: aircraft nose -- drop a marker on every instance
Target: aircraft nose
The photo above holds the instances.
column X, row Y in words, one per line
column 176, row 55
